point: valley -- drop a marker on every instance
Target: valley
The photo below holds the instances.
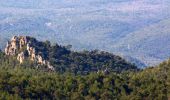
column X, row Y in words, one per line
column 97, row 24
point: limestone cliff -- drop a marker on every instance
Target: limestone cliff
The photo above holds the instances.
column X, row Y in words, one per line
column 23, row 48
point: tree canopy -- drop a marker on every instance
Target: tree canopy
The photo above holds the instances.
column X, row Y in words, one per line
column 23, row 81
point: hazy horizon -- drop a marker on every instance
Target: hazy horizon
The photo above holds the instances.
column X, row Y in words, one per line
column 85, row 24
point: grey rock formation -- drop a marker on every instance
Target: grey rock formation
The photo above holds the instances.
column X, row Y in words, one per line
column 18, row 45
column 21, row 57
column 12, row 46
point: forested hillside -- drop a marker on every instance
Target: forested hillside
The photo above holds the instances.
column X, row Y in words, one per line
column 91, row 24
column 25, row 82
column 84, row 49
column 62, row 59
column 82, row 75
column 150, row 44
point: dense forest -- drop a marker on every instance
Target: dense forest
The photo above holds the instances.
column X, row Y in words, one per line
column 63, row 59
column 24, row 81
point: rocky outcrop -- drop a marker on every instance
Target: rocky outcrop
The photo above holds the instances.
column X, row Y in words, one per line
column 22, row 48
column 31, row 52
column 12, row 46
column 15, row 45
column 21, row 57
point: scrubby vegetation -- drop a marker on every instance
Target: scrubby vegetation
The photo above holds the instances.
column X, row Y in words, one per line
column 65, row 60
column 87, row 61
column 25, row 82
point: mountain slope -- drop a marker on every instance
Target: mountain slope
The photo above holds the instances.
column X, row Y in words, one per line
column 151, row 44
column 85, row 24
column 61, row 59
column 23, row 82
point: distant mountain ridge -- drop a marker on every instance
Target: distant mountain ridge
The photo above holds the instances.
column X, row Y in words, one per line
column 150, row 45
column 85, row 24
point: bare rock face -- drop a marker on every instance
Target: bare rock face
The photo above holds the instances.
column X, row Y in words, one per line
column 18, row 45
column 39, row 59
column 31, row 52
column 15, row 45
column 12, row 46
column 21, row 57
column 22, row 41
